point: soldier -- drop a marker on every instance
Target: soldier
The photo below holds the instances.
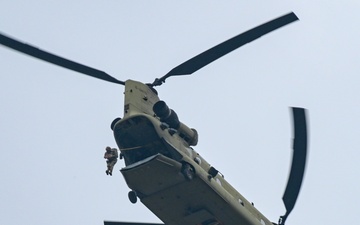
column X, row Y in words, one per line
column 111, row 156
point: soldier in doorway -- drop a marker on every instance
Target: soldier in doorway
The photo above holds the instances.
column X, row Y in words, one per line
column 111, row 156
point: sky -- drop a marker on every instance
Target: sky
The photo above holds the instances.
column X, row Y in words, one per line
column 55, row 123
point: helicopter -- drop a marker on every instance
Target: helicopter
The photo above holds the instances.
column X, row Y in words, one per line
column 162, row 169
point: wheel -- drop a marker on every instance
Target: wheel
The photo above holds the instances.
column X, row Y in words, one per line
column 188, row 171
column 132, row 197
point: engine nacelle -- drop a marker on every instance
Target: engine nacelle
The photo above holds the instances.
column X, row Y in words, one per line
column 170, row 117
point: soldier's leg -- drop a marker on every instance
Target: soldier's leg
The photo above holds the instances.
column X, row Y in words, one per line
column 112, row 164
column 108, row 167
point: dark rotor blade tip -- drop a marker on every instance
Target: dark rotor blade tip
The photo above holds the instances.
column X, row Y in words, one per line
column 298, row 161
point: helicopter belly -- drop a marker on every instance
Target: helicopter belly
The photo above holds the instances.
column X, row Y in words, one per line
column 163, row 189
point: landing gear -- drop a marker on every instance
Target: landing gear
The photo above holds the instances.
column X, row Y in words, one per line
column 188, row 171
column 132, row 197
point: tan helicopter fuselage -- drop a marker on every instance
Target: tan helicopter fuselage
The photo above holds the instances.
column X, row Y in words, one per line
column 168, row 175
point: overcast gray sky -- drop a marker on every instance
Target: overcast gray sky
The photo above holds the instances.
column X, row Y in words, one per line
column 55, row 122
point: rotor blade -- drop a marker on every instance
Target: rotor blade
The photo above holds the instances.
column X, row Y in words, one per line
column 57, row 60
column 224, row 48
column 298, row 162
column 129, row 223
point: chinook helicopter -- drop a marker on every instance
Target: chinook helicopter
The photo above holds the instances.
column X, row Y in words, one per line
column 162, row 169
